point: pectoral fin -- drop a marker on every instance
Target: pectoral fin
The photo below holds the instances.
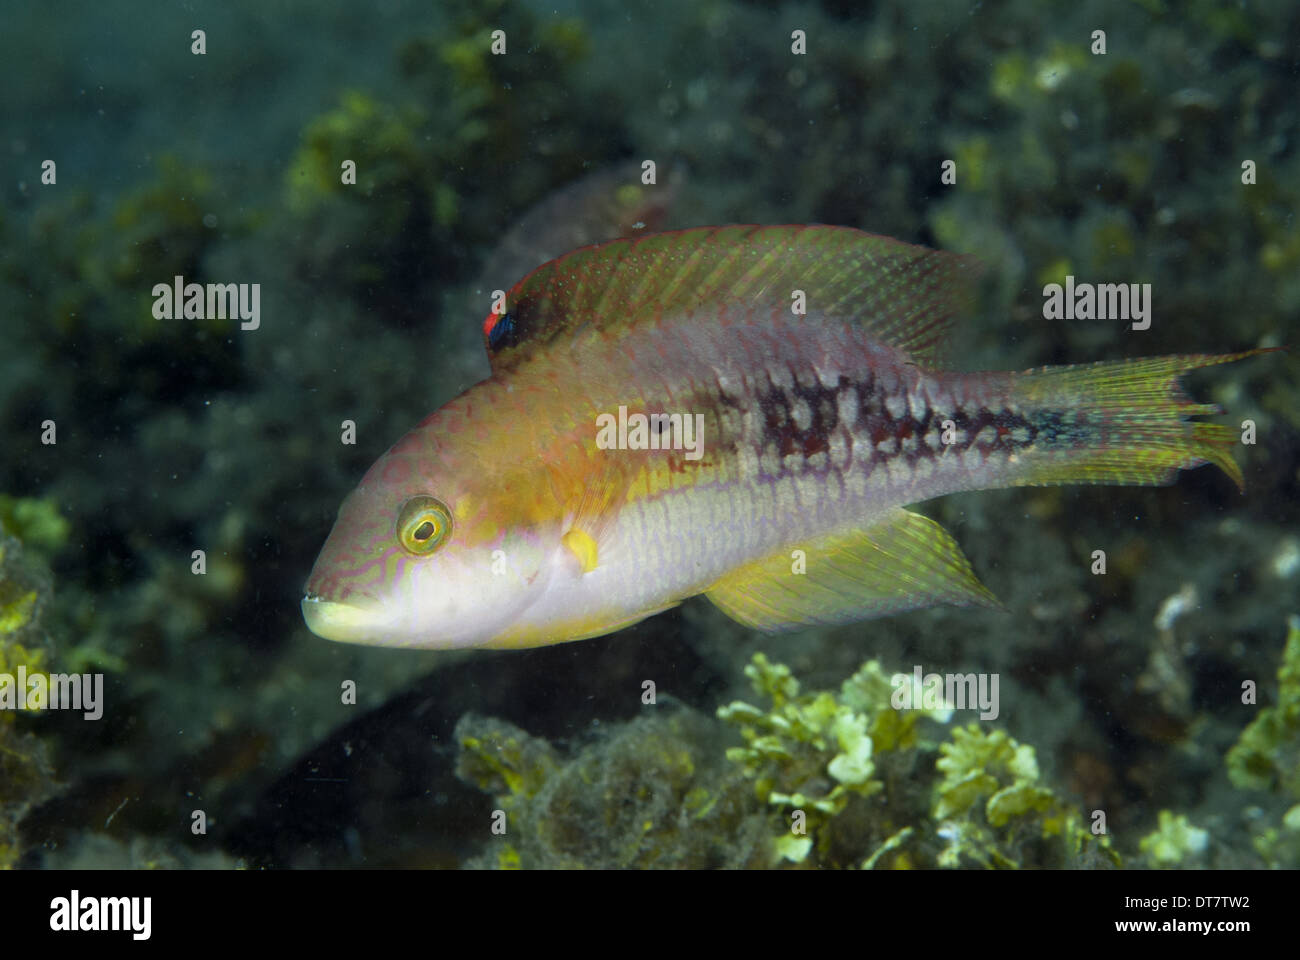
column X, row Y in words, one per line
column 903, row 562
column 583, row 547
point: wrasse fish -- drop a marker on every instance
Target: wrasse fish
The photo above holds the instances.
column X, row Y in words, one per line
column 505, row 519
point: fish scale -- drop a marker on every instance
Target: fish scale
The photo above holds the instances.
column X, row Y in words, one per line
column 881, row 427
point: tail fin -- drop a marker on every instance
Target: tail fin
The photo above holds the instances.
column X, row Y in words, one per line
column 1122, row 422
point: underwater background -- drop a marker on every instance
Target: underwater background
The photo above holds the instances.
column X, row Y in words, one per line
column 1169, row 159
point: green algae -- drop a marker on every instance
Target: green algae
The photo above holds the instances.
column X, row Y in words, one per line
column 1174, row 841
column 810, row 753
column 501, row 759
column 36, row 522
column 649, row 794
column 1267, row 754
column 823, row 780
column 827, row 757
column 381, row 139
column 26, row 775
column 1266, row 758
column 995, row 812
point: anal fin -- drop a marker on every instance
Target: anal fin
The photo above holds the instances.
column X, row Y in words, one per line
column 902, row 562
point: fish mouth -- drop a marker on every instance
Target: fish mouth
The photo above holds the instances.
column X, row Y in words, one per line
column 342, row 622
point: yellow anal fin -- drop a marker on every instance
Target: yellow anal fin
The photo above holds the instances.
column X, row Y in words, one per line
column 903, row 562
column 583, row 547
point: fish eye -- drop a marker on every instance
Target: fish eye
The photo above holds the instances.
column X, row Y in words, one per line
column 423, row 525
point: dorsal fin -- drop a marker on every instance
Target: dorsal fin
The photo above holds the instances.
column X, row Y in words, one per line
column 904, row 295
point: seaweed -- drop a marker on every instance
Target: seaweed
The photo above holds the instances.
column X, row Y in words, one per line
column 654, row 792
column 26, row 772
column 856, row 781
column 1266, row 758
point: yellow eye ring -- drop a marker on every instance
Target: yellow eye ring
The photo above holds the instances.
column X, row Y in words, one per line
column 423, row 525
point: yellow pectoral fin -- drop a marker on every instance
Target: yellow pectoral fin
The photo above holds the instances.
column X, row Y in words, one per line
column 903, row 562
column 589, row 493
column 583, row 547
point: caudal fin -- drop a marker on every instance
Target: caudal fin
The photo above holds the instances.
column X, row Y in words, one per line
column 1122, row 422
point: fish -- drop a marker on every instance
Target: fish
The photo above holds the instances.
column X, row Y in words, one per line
column 562, row 499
